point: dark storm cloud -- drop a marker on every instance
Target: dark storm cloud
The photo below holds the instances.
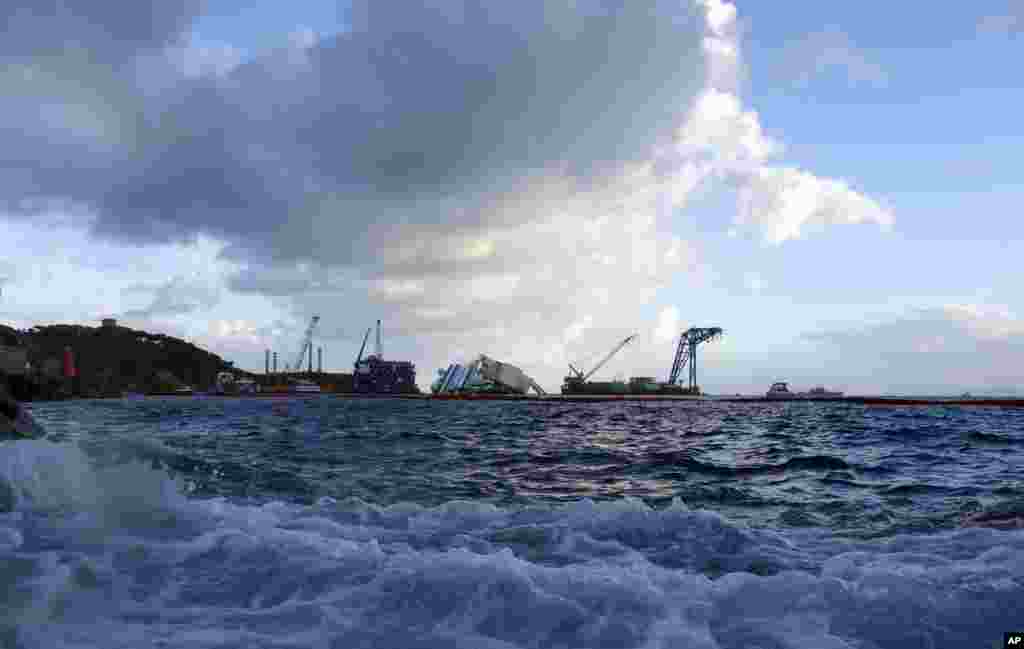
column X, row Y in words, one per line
column 103, row 30
column 323, row 152
column 70, row 104
column 175, row 297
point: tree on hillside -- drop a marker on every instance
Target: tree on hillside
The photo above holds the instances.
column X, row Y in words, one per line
column 111, row 360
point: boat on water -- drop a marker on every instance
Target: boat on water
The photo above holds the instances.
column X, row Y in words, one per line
column 820, row 393
column 305, row 387
column 228, row 384
column 780, row 390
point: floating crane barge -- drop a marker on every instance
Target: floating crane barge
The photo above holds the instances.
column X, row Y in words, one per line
column 373, row 375
column 686, row 358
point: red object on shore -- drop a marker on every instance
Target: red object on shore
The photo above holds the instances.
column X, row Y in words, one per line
column 69, row 363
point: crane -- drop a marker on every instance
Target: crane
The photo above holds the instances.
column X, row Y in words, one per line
column 365, row 338
column 686, row 354
column 307, row 343
column 580, row 378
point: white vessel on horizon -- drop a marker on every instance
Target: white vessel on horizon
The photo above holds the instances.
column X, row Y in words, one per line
column 820, row 393
column 780, row 390
column 305, row 387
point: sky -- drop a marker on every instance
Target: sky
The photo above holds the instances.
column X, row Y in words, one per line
column 836, row 185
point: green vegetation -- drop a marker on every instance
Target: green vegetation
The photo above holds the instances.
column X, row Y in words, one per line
column 113, row 360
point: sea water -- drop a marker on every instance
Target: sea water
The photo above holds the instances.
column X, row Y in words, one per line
column 330, row 523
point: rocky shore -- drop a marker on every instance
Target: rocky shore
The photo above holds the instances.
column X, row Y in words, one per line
column 15, row 420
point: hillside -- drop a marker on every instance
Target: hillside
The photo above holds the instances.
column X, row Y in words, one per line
column 112, row 360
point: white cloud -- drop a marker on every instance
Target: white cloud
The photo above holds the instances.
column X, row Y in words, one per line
column 986, row 322
column 667, row 328
column 783, row 202
column 721, row 16
column 1008, row 22
column 721, row 137
column 722, row 140
column 429, row 172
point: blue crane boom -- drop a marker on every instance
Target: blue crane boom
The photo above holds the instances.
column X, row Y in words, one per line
column 686, row 353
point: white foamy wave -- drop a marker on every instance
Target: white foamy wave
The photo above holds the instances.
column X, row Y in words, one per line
column 118, row 558
column 38, row 474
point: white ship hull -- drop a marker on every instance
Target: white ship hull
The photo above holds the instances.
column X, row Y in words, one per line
column 303, row 387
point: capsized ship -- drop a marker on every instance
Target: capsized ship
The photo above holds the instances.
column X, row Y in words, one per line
column 483, row 376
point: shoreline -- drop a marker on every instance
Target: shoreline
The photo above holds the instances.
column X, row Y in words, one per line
column 1009, row 402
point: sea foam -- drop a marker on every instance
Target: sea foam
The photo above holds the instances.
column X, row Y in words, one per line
column 117, row 556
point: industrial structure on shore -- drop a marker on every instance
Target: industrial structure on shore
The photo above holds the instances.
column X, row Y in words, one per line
column 374, row 375
column 68, row 361
column 686, row 356
column 486, row 376
column 371, row 375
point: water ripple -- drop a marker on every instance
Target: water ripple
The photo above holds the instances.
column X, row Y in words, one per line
column 761, row 463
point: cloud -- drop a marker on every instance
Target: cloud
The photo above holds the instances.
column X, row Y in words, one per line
column 7, row 271
column 35, row 29
column 178, row 296
column 668, row 324
column 1010, row 22
column 831, row 51
column 487, row 176
column 952, row 348
column 785, row 201
column 721, row 140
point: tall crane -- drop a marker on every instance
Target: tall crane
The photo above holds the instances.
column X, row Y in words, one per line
column 686, row 354
column 307, row 343
column 363, row 347
column 579, row 378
